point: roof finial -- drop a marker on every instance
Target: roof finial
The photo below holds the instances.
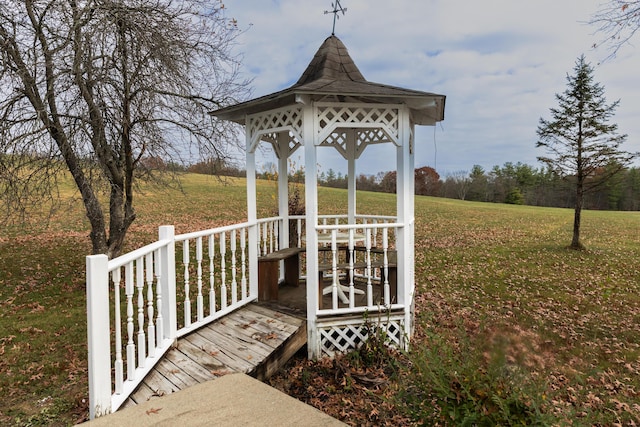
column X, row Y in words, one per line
column 337, row 7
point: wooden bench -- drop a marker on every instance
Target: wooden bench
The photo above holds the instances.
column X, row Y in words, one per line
column 268, row 272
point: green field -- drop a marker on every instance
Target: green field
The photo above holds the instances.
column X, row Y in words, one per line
column 503, row 308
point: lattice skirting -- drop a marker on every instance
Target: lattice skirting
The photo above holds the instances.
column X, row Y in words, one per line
column 344, row 335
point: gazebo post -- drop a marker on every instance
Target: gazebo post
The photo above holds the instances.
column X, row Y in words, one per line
column 311, row 221
column 252, row 218
column 283, row 187
column 405, row 196
column 351, row 174
column 409, row 288
column 404, row 201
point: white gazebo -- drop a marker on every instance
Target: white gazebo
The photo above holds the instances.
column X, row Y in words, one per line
column 365, row 263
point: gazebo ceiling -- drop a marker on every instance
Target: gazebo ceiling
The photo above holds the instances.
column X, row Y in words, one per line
column 332, row 75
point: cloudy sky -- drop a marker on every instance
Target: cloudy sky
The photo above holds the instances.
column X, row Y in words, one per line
column 499, row 62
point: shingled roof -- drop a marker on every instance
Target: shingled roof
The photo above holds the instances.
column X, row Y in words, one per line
column 332, row 74
column 331, row 62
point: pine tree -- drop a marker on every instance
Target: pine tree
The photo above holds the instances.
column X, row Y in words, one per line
column 581, row 144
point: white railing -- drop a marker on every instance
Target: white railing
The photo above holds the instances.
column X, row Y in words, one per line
column 358, row 259
column 364, row 275
column 114, row 311
column 324, row 220
column 360, row 262
column 139, row 303
column 212, row 270
column 269, row 235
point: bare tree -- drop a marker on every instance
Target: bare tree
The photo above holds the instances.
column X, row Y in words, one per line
column 581, row 145
column 95, row 86
column 618, row 21
column 461, row 183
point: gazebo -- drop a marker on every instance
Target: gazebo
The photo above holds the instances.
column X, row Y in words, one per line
column 162, row 299
column 365, row 263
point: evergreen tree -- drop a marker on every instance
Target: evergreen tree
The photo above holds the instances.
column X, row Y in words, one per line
column 479, row 184
column 579, row 140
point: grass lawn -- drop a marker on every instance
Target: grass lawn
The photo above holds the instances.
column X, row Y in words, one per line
column 505, row 313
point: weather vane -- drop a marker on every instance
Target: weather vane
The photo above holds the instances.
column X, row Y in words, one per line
column 337, row 7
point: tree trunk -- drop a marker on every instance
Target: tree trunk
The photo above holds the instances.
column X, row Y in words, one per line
column 575, row 242
column 121, row 215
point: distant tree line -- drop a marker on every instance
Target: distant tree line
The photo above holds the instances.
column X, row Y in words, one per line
column 213, row 166
column 523, row 184
column 511, row 183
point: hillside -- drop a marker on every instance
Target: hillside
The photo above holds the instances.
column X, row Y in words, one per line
column 505, row 312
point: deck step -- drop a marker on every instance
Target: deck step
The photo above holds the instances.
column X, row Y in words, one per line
column 256, row 340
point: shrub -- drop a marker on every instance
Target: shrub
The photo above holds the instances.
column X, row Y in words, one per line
column 515, row 197
column 455, row 384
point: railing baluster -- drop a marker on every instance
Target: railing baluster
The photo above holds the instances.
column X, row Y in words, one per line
column 118, row 365
column 131, row 347
column 159, row 318
column 223, row 272
column 142, row 353
column 243, row 266
column 234, row 283
column 299, row 231
column 352, row 255
column 199, row 298
column 212, row 287
column 187, row 301
column 375, row 233
column 151, row 329
column 265, row 237
column 368, row 259
column 385, row 263
column 334, row 269
column 270, row 225
column 259, row 239
column 276, row 233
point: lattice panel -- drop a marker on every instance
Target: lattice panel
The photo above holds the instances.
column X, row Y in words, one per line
column 343, row 338
column 330, row 117
column 373, row 136
column 267, row 125
column 292, row 144
column 337, row 140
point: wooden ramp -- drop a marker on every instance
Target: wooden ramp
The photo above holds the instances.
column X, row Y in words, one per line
column 255, row 339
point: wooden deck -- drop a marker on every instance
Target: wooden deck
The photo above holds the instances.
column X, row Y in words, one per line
column 256, row 340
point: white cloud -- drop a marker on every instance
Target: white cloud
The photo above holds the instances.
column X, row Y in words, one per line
column 499, row 62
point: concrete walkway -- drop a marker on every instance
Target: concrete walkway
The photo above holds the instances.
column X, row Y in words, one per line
column 231, row 400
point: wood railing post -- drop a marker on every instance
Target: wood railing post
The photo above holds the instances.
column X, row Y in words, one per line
column 98, row 335
column 168, row 279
